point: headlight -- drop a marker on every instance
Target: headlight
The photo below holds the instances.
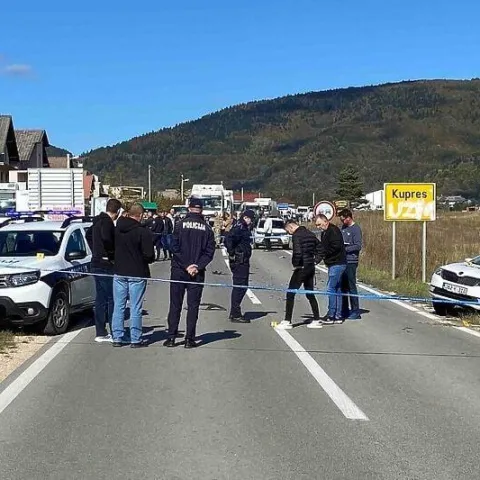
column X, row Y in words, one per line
column 22, row 279
column 438, row 271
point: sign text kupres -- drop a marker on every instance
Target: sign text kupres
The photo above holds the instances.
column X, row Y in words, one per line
column 410, row 202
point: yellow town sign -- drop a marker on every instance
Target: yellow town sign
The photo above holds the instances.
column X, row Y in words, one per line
column 410, row 202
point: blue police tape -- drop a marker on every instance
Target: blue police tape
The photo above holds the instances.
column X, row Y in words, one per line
column 299, row 291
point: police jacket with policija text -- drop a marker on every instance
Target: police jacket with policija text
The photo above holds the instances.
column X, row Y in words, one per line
column 101, row 240
column 238, row 244
column 333, row 247
column 193, row 243
column 133, row 248
column 306, row 248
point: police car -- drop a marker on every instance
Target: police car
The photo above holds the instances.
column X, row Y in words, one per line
column 456, row 282
column 42, row 272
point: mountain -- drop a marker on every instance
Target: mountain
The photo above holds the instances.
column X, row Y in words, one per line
column 295, row 145
column 53, row 151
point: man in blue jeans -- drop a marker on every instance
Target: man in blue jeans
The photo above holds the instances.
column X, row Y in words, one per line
column 334, row 255
column 352, row 239
column 133, row 253
column 101, row 239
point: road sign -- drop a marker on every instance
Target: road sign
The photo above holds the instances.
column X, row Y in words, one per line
column 410, row 202
column 325, row 208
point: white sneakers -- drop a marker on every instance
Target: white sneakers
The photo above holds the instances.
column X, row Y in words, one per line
column 105, row 339
column 315, row 324
column 285, row 325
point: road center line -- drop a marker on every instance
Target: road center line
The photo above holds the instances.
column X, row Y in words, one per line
column 252, row 297
column 25, row 378
column 336, row 394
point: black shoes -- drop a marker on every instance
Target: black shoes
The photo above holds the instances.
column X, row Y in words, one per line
column 170, row 342
column 140, row 344
column 190, row 343
column 240, row 319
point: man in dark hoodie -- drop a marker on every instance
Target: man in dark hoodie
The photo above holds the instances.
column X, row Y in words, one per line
column 238, row 243
column 133, row 253
column 101, row 239
column 306, row 252
column 193, row 248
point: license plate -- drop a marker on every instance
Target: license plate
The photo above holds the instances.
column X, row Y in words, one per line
column 455, row 288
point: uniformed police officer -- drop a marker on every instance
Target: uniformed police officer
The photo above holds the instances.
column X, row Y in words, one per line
column 239, row 247
column 193, row 248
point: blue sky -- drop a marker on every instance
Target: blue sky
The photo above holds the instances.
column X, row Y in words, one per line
column 96, row 73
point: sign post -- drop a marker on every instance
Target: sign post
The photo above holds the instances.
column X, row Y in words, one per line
column 410, row 202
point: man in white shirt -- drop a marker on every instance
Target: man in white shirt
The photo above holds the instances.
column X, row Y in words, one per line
column 268, row 227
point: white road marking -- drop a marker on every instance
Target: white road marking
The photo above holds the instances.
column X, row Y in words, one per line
column 468, row 330
column 224, row 252
column 252, row 297
column 25, row 378
column 337, row 395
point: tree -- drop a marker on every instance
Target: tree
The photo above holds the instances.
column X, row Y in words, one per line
column 350, row 187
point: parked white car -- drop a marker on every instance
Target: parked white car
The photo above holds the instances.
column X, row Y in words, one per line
column 456, row 281
column 35, row 288
column 279, row 237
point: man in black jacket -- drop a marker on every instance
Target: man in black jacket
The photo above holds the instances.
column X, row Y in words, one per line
column 306, row 251
column 335, row 258
column 238, row 243
column 167, row 235
column 193, row 248
column 101, row 239
column 133, row 253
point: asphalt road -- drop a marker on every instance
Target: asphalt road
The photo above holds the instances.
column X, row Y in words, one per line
column 393, row 396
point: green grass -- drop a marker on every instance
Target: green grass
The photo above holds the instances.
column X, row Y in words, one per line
column 382, row 280
column 7, row 341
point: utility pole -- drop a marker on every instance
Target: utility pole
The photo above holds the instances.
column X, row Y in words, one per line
column 181, row 188
column 149, row 183
column 313, row 199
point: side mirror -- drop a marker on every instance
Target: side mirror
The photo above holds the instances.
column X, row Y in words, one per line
column 468, row 260
column 76, row 255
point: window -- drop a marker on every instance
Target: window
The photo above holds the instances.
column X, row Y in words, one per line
column 278, row 224
column 76, row 243
column 25, row 243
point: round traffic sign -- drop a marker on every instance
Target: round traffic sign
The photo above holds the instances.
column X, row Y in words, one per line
column 325, row 208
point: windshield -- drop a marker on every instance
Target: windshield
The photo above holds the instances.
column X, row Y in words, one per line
column 180, row 210
column 28, row 243
column 476, row 261
column 212, row 203
column 278, row 224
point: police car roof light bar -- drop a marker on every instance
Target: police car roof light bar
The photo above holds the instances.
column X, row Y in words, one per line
column 26, row 219
column 69, row 220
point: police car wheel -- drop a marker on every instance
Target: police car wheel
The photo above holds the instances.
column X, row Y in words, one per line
column 441, row 309
column 58, row 314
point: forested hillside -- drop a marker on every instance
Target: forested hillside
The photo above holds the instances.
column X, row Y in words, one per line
column 294, row 145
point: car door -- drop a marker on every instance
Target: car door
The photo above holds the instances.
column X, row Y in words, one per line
column 90, row 280
column 81, row 291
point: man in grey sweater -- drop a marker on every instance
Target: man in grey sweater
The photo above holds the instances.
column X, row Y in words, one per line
column 352, row 238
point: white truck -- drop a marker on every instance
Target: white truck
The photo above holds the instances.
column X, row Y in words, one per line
column 59, row 189
column 216, row 199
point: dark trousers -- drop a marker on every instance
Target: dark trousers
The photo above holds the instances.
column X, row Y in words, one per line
column 103, row 300
column 166, row 241
column 158, row 245
column 305, row 277
column 268, row 242
column 177, row 294
column 349, row 285
column 240, row 275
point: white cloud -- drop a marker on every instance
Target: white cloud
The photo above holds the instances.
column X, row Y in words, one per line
column 17, row 70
